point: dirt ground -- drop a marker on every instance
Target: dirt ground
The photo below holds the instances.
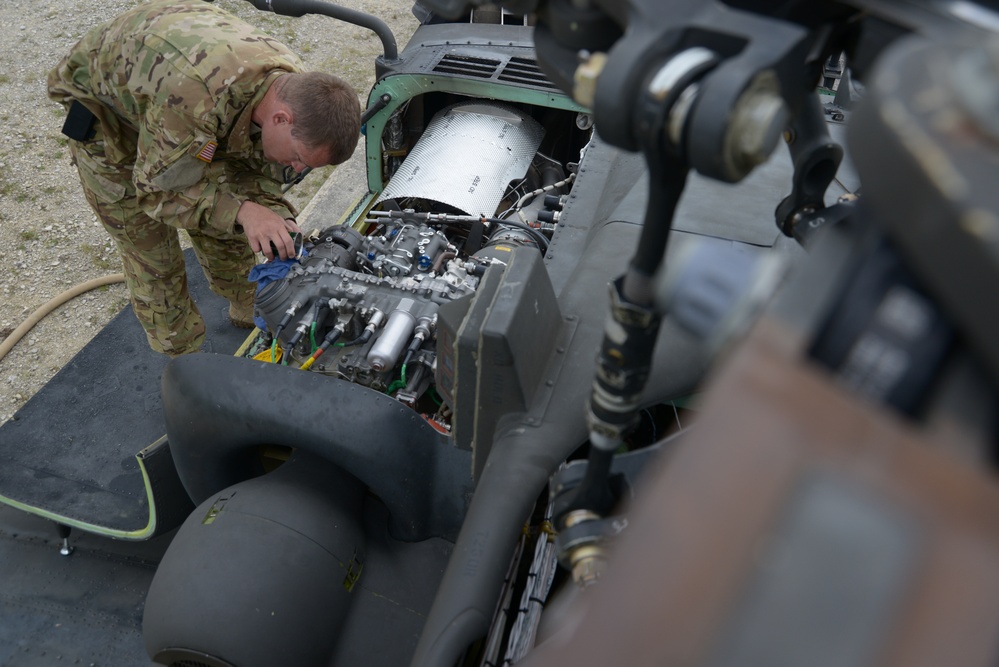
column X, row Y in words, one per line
column 49, row 238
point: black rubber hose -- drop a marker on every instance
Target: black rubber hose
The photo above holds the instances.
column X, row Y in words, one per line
column 670, row 176
column 218, row 409
column 298, row 8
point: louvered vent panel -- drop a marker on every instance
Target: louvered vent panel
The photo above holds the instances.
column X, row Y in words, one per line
column 525, row 71
column 482, row 68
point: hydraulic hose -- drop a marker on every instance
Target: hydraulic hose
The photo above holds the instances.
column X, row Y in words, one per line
column 671, row 177
column 330, row 338
column 298, row 8
column 10, row 341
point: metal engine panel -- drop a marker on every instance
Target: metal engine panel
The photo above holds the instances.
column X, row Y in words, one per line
column 502, row 141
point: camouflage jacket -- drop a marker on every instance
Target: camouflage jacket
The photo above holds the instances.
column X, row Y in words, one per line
column 173, row 84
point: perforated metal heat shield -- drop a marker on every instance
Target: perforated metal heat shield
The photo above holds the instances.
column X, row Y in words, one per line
column 467, row 156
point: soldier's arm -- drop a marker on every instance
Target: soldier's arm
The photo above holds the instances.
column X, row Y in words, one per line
column 180, row 182
column 188, row 192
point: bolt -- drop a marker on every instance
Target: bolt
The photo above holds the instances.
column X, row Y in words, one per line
column 757, row 124
column 587, row 565
column 584, row 88
column 66, row 549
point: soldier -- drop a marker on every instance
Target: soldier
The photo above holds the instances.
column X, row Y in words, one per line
column 183, row 116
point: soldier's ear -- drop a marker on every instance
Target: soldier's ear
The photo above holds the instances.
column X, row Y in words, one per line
column 281, row 116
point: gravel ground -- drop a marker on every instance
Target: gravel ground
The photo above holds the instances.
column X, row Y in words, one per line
column 50, row 239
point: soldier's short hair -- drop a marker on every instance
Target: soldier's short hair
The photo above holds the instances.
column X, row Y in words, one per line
column 326, row 112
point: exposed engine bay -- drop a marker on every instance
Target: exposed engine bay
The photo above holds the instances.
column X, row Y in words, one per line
column 363, row 305
column 571, row 397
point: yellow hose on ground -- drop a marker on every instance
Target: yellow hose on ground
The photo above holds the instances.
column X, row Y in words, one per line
column 10, row 341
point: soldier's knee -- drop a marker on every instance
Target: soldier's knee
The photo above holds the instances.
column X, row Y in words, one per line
column 173, row 330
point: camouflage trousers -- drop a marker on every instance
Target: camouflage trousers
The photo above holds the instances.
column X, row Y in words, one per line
column 152, row 257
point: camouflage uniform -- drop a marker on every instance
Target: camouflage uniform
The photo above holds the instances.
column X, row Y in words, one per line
column 173, row 84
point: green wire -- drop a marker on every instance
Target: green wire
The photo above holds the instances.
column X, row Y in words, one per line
column 434, row 396
column 398, row 384
column 312, row 337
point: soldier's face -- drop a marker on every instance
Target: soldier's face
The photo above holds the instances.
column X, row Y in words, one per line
column 281, row 147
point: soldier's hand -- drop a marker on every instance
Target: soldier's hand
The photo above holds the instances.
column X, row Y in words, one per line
column 266, row 230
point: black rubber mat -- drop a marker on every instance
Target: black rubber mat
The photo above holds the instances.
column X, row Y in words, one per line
column 84, row 609
column 69, row 453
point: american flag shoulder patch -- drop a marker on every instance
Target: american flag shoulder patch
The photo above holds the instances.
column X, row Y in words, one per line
column 207, row 151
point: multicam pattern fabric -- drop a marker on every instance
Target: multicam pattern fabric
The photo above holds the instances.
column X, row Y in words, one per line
column 166, row 80
column 153, row 261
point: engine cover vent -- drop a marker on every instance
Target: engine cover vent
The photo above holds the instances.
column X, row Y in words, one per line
column 526, row 72
column 480, row 68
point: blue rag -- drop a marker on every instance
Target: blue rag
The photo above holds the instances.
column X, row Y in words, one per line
column 265, row 274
